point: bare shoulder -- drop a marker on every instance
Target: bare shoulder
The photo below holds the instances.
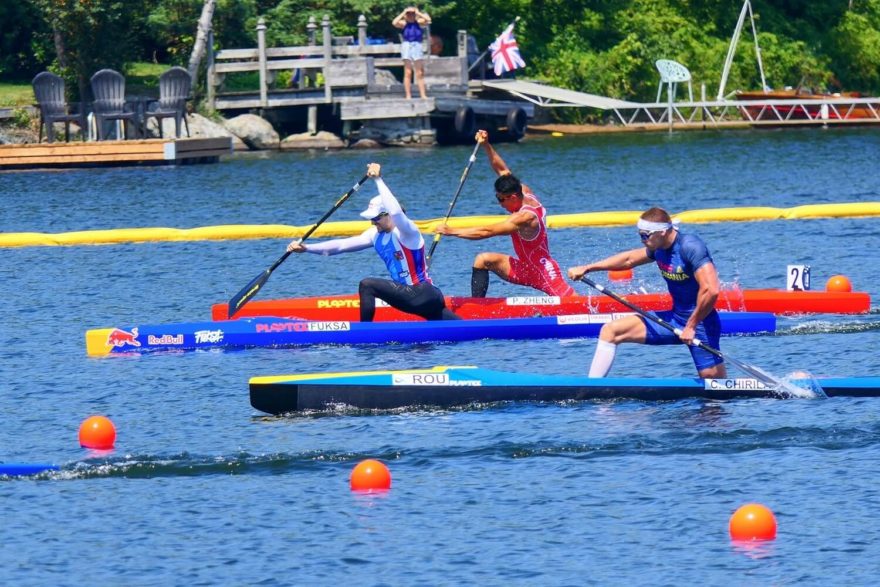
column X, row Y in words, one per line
column 524, row 218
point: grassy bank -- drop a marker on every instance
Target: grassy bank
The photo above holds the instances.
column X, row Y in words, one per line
column 140, row 78
column 15, row 95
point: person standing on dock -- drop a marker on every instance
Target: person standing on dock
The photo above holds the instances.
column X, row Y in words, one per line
column 401, row 246
column 692, row 280
column 411, row 20
column 533, row 266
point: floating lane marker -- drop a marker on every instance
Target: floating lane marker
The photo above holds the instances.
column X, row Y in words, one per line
column 334, row 229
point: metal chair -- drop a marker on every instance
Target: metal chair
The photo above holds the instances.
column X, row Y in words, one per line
column 174, row 88
column 49, row 92
column 108, row 90
column 672, row 73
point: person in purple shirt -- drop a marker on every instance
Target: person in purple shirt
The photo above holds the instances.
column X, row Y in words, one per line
column 692, row 280
column 411, row 21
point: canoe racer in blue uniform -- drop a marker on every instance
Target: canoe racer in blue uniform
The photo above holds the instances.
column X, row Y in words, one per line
column 686, row 265
column 400, row 245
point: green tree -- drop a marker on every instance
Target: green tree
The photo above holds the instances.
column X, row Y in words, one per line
column 89, row 35
column 171, row 27
column 19, row 55
column 854, row 48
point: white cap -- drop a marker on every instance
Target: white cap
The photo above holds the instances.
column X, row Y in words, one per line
column 374, row 209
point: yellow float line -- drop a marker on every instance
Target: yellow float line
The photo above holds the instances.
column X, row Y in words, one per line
column 334, row 229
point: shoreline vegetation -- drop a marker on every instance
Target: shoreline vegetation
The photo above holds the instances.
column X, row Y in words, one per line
column 607, row 49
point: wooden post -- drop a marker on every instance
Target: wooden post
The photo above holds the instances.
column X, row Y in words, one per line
column 312, row 111
column 211, row 77
column 362, row 33
column 461, row 38
column 261, row 55
column 311, row 27
column 426, row 41
column 328, row 56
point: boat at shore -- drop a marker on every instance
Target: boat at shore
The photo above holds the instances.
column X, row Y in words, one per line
column 283, row 332
column 796, row 105
column 346, row 307
column 449, row 386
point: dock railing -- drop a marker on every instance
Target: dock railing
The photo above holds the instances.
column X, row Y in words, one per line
column 327, row 70
column 832, row 110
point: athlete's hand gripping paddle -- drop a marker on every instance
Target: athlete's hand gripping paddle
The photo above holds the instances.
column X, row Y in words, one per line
column 251, row 289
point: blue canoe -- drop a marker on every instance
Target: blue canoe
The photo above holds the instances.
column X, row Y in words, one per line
column 25, row 469
column 282, row 332
column 458, row 386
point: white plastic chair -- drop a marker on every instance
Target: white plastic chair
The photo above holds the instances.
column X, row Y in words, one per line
column 672, row 73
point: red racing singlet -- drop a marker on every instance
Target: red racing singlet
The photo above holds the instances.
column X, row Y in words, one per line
column 534, row 266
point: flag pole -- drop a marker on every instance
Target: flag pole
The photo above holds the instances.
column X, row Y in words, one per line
column 483, row 54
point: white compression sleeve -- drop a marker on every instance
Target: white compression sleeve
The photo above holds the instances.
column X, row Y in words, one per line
column 603, row 358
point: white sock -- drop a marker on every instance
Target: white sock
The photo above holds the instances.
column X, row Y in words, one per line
column 603, row 358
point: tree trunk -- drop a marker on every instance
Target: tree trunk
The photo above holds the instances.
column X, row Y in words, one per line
column 199, row 48
column 61, row 53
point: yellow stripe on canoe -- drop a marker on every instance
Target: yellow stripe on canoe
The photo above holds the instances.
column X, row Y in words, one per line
column 267, row 379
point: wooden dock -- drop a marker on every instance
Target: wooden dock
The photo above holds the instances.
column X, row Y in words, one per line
column 114, row 153
column 356, row 91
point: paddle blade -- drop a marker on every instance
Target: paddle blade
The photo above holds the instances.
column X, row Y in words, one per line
column 248, row 292
column 779, row 386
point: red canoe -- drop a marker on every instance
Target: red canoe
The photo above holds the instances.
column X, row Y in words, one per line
column 345, row 307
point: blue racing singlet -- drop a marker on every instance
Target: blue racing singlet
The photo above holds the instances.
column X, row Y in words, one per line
column 405, row 266
column 412, row 32
column 677, row 265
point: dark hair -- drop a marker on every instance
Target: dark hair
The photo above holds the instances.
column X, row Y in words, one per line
column 508, row 184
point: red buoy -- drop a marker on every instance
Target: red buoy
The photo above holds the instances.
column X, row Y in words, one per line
column 838, row 283
column 753, row 521
column 97, row 432
column 621, row 275
column 370, row 475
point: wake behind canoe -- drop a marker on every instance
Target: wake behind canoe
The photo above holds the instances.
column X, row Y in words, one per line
column 449, row 386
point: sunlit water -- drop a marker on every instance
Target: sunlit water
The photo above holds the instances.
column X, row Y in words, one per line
column 202, row 489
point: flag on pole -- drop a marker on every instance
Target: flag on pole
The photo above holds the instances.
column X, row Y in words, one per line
column 505, row 52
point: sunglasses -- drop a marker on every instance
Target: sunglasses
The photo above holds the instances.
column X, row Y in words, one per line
column 503, row 198
column 645, row 234
column 376, row 219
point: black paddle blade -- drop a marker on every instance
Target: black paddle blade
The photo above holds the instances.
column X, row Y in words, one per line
column 248, row 292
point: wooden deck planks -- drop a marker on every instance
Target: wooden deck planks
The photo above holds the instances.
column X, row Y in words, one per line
column 148, row 151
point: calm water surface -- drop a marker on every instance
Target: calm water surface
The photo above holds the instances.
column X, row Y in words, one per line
column 202, row 489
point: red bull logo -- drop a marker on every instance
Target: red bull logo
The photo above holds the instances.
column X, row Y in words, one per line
column 120, row 338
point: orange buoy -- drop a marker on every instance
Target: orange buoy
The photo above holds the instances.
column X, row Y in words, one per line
column 753, row 521
column 370, row 475
column 97, row 432
column 838, row 283
column 620, row 275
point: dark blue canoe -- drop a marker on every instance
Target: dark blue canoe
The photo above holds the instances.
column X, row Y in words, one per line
column 458, row 386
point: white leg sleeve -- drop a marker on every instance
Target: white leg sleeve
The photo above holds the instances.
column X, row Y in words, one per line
column 603, row 358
